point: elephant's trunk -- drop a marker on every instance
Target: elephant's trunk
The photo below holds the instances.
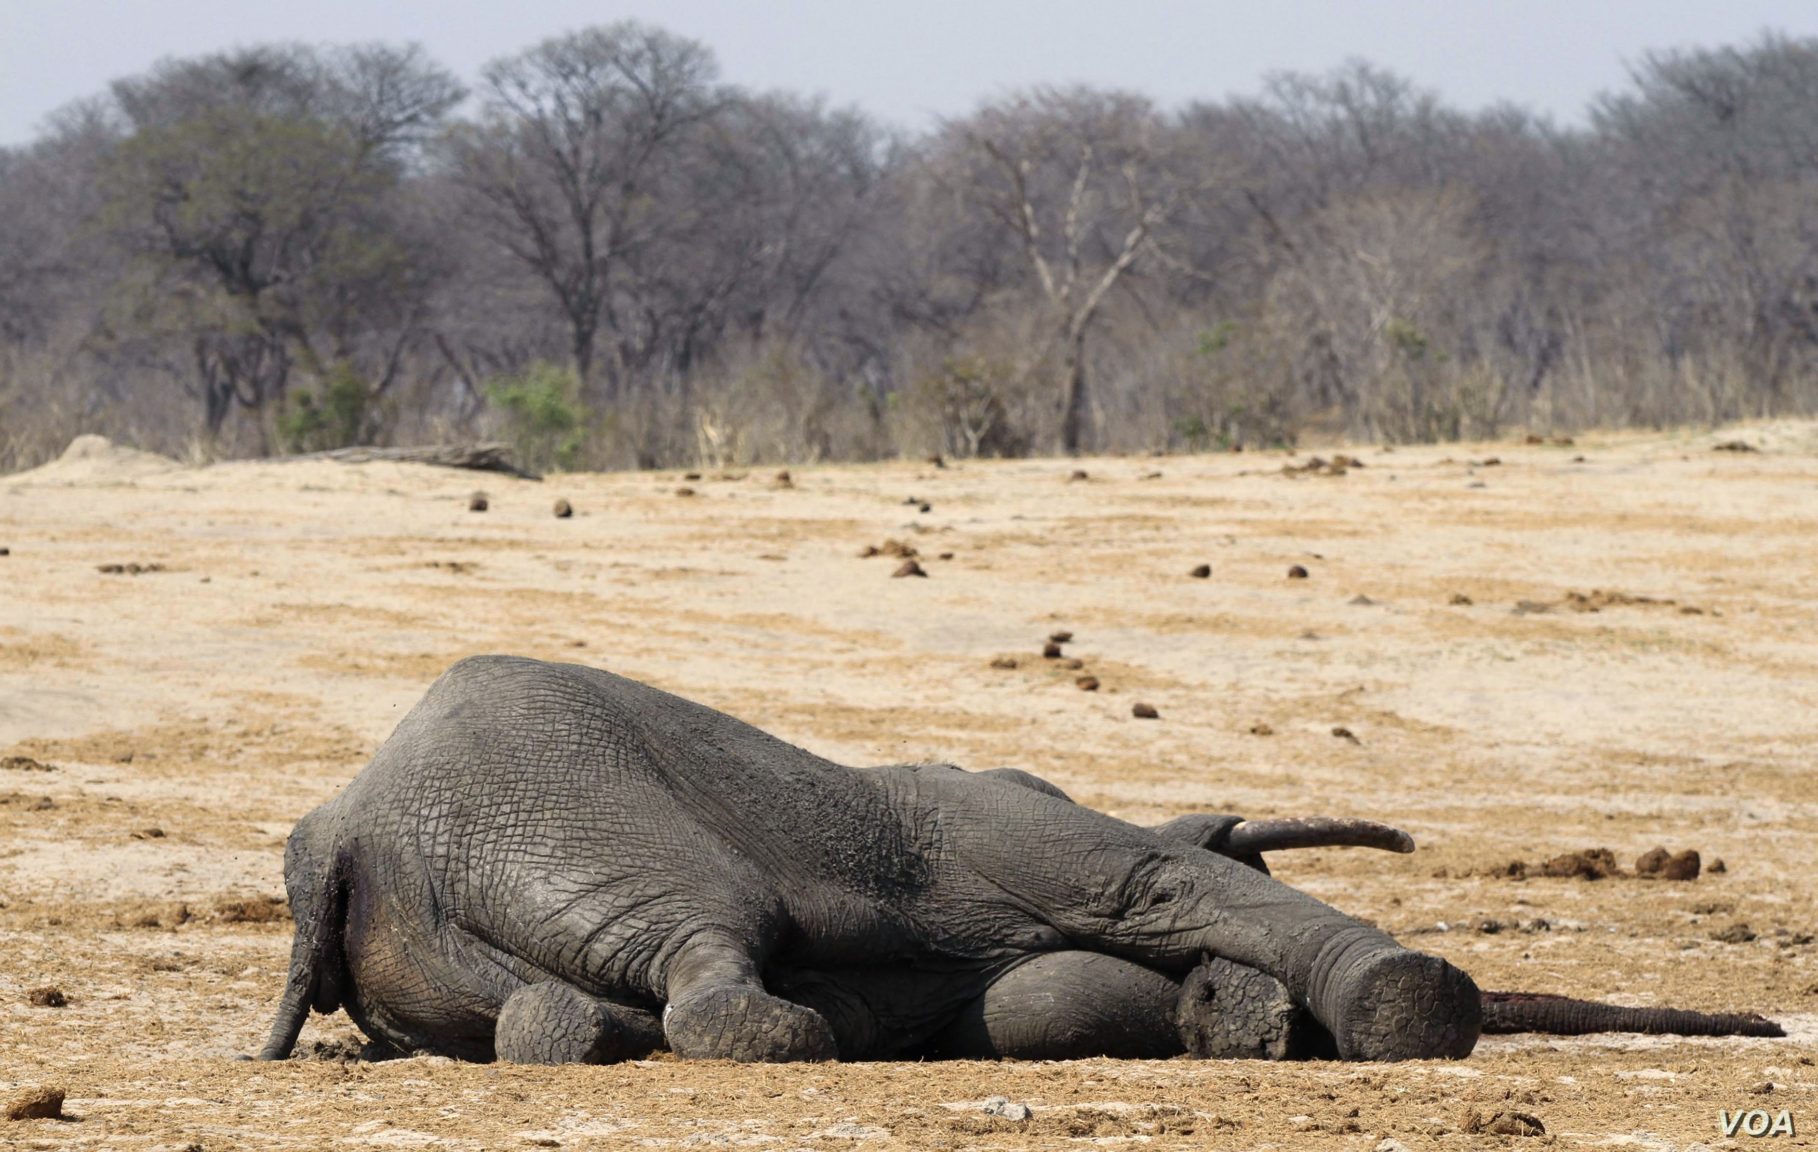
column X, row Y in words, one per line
column 1564, row 1016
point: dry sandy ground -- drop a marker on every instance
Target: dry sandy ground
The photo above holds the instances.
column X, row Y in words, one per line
column 189, row 714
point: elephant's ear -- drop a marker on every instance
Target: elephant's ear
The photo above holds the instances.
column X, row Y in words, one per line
column 1027, row 780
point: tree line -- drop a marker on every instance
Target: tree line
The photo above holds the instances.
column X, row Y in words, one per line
column 602, row 252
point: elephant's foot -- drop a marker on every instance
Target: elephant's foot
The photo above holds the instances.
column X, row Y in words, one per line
column 552, row 1023
column 1388, row 1003
column 736, row 1022
column 1229, row 1012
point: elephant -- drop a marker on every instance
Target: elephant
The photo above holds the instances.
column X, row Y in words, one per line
column 552, row 863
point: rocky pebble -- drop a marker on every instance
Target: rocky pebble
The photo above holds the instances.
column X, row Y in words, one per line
column 1004, row 1107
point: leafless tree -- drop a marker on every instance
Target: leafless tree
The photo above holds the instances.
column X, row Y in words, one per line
column 1071, row 174
column 565, row 164
column 738, row 276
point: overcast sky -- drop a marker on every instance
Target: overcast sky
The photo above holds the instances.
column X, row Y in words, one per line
column 909, row 61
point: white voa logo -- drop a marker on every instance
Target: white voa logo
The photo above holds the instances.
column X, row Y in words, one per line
column 1756, row 1122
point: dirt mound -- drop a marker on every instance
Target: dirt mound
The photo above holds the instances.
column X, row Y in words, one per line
column 890, row 547
column 96, row 460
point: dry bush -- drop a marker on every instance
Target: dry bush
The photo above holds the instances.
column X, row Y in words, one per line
column 992, row 392
column 769, row 404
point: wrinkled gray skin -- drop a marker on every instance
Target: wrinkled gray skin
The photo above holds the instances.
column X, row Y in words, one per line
column 549, row 862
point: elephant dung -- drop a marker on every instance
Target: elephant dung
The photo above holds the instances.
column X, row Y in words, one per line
column 35, row 1102
column 1669, row 865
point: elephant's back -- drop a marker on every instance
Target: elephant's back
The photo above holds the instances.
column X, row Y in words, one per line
column 501, row 744
column 513, row 774
column 506, row 731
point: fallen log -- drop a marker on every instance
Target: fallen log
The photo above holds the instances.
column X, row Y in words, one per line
column 489, row 457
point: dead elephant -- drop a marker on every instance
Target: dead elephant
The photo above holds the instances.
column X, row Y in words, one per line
column 547, row 862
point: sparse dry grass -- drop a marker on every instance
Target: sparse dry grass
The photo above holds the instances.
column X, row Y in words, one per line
column 304, row 607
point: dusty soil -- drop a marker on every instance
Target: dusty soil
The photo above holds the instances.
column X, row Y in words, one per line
column 161, row 727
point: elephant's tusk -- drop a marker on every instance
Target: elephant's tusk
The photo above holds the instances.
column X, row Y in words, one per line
column 1315, row 832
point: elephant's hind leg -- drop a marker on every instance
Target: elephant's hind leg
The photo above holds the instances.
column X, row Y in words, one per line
column 1067, row 1006
column 718, row 1010
column 552, row 1023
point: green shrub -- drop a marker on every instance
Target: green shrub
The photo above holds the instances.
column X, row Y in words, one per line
column 1217, row 338
column 343, row 414
column 1405, row 338
column 1194, row 431
column 544, row 418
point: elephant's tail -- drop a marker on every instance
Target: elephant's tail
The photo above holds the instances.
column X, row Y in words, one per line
column 1564, row 1016
column 318, row 904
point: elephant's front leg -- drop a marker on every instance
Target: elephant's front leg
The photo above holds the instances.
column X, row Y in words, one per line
column 1074, row 1005
column 1377, row 999
column 1110, row 887
column 1226, row 1011
column 718, row 1009
column 1066, row 1006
